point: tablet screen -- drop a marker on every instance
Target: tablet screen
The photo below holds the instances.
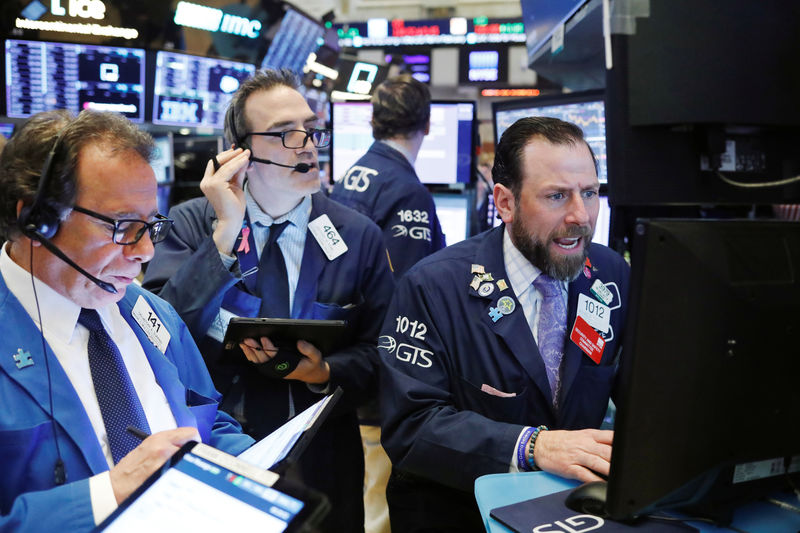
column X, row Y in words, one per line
column 208, row 490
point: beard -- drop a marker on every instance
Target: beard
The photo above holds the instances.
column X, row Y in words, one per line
column 565, row 268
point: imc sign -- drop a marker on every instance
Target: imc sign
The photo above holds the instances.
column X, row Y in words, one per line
column 87, row 9
column 214, row 20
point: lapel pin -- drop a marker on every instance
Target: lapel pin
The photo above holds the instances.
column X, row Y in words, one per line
column 486, row 289
column 476, row 282
column 23, row 359
column 506, row 305
column 502, row 285
column 477, row 269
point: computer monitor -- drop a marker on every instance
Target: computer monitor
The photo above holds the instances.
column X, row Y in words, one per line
column 586, row 109
column 193, row 90
column 41, row 76
column 707, row 414
column 454, row 212
column 480, row 64
column 7, row 129
column 357, row 79
column 690, row 120
column 446, row 154
column 602, row 228
column 542, row 17
column 298, row 36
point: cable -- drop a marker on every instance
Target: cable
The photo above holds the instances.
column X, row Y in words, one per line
column 744, row 185
column 59, row 471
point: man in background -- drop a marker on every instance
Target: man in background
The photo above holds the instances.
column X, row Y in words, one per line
column 89, row 353
column 383, row 184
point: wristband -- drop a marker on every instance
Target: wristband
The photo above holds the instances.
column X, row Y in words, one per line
column 522, row 461
column 531, row 444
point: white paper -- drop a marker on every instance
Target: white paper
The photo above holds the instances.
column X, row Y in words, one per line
column 274, row 447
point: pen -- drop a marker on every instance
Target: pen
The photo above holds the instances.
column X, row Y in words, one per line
column 136, row 432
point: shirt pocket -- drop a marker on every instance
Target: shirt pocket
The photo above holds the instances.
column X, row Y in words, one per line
column 510, row 409
column 332, row 311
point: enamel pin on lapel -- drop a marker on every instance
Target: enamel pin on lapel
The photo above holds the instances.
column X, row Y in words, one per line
column 23, row 359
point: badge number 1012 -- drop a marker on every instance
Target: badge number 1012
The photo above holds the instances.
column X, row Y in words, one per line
column 418, row 329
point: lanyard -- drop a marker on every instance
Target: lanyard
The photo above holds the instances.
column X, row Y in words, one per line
column 247, row 254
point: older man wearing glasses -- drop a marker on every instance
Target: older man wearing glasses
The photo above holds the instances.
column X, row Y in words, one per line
column 263, row 241
column 86, row 353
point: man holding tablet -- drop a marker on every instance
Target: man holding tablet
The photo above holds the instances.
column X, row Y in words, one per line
column 263, row 242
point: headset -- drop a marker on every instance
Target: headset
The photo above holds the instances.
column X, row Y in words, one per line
column 40, row 220
column 241, row 142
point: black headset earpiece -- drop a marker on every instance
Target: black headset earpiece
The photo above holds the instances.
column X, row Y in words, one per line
column 40, row 219
column 230, row 119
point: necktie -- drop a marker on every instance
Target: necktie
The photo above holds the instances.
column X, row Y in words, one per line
column 273, row 284
column 552, row 330
column 118, row 401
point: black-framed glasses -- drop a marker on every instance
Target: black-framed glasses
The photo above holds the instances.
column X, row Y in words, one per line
column 130, row 230
column 292, row 139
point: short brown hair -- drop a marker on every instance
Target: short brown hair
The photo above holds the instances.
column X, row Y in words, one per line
column 507, row 169
column 263, row 80
column 401, row 106
column 23, row 157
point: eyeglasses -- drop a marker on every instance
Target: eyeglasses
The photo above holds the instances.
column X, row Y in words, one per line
column 130, row 230
column 292, row 139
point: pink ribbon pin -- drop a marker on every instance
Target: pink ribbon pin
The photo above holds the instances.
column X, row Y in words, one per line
column 244, row 245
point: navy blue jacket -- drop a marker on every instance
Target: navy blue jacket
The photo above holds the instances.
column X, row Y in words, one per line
column 384, row 186
column 187, row 271
column 439, row 346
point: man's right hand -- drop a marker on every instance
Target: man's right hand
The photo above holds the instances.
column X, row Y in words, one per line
column 146, row 458
column 580, row 454
column 224, row 189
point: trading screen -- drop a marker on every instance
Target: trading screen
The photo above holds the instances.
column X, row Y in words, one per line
column 445, row 156
column 297, row 37
column 195, row 91
column 589, row 116
column 41, row 76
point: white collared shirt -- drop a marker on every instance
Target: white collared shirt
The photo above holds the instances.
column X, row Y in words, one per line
column 521, row 275
column 292, row 241
column 69, row 342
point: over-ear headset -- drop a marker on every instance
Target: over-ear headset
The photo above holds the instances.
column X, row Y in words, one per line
column 41, row 218
column 230, row 123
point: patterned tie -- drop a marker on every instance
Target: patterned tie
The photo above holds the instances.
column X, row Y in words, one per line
column 552, row 330
column 118, row 401
column 272, row 284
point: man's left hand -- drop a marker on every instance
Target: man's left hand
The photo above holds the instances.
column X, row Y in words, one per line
column 312, row 368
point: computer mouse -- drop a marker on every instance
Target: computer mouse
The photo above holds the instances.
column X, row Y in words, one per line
column 589, row 498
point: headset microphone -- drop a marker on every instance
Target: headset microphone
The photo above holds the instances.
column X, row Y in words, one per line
column 35, row 235
column 299, row 167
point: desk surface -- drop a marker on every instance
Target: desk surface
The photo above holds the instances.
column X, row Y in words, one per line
column 496, row 490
